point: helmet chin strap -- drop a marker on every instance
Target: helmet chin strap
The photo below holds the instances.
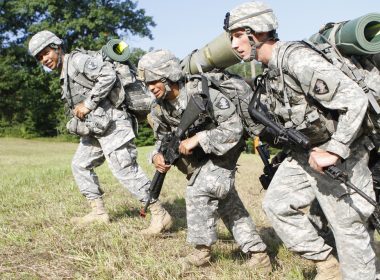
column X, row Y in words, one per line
column 59, row 63
column 254, row 45
column 167, row 87
column 59, row 53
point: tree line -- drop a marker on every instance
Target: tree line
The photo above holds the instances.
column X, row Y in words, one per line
column 30, row 97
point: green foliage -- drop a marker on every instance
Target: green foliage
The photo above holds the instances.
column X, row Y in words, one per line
column 243, row 69
column 145, row 135
column 135, row 56
column 249, row 148
column 29, row 96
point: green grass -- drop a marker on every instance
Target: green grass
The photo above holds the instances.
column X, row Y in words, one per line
column 38, row 196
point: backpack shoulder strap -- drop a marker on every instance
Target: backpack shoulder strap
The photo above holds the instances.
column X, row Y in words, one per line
column 75, row 74
column 281, row 69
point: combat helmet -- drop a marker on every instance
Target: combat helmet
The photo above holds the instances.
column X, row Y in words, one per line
column 41, row 40
column 255, row 15
column 159, row 65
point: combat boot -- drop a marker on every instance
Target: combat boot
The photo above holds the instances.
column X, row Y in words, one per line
column 260, row 262
column 98, row 214
column 160, row 221
column 199, row 257
column 328, row 269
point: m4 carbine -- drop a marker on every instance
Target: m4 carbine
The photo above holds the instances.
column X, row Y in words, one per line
column 293, row 138
column 197, row 105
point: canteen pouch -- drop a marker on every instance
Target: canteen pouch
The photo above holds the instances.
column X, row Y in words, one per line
column 96, row 123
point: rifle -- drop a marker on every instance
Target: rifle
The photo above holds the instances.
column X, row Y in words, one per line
column 294, row 137
column 198, row 104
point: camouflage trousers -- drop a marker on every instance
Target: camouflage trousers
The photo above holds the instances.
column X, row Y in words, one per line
column 295, row 186
column 121, row 161
column 211, row 194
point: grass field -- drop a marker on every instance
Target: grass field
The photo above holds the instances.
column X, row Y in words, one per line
column 38, row 197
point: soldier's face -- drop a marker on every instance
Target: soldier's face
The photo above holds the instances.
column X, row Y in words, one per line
column 157, row 88
column 240, row 43
column 49, row 58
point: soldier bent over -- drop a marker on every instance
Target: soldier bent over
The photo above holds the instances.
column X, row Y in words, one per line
column 209, row 156
column 305, row 92
column 87, row 81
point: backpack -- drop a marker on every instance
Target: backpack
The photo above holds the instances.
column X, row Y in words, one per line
column 128, row 93
column 239, row 92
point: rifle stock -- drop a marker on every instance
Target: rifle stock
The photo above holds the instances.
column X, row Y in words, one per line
column 269, row 171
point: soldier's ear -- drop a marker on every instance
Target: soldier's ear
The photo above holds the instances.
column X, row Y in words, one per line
column 60, row 49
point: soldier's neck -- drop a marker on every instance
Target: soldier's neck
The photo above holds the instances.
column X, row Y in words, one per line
column 264, row 54
column 60, row 66
column 174, row 93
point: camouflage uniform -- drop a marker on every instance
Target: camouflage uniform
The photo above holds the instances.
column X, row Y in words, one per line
column 211, row 170
column 304, row 91
column 372, row 80
column 115, row 143
column 298, row 96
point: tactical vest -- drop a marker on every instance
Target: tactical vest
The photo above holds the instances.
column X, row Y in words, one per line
column 291, row 106
column 127, row 90
column 171, row 116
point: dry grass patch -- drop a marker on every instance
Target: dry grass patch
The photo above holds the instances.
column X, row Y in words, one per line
column 38, row 197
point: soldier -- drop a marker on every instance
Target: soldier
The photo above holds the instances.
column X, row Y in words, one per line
column 304, row 91
column 209, row 156
column 106, row 131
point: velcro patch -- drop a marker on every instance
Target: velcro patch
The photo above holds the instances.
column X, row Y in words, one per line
column 320, row 87
column 92, row 64
column 223, row 103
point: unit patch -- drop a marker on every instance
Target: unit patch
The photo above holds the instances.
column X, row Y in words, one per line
column 92, row 64
column 223, row 104
column 320, row 87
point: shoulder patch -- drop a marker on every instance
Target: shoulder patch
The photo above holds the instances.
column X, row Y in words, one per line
column 92, row 64
column 320, row 87
column 223, row 103
column 79, row 61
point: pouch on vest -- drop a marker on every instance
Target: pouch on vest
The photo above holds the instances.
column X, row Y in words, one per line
column 130, row 92
column 77, row 127
column 138, row 100
column 95, row 123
